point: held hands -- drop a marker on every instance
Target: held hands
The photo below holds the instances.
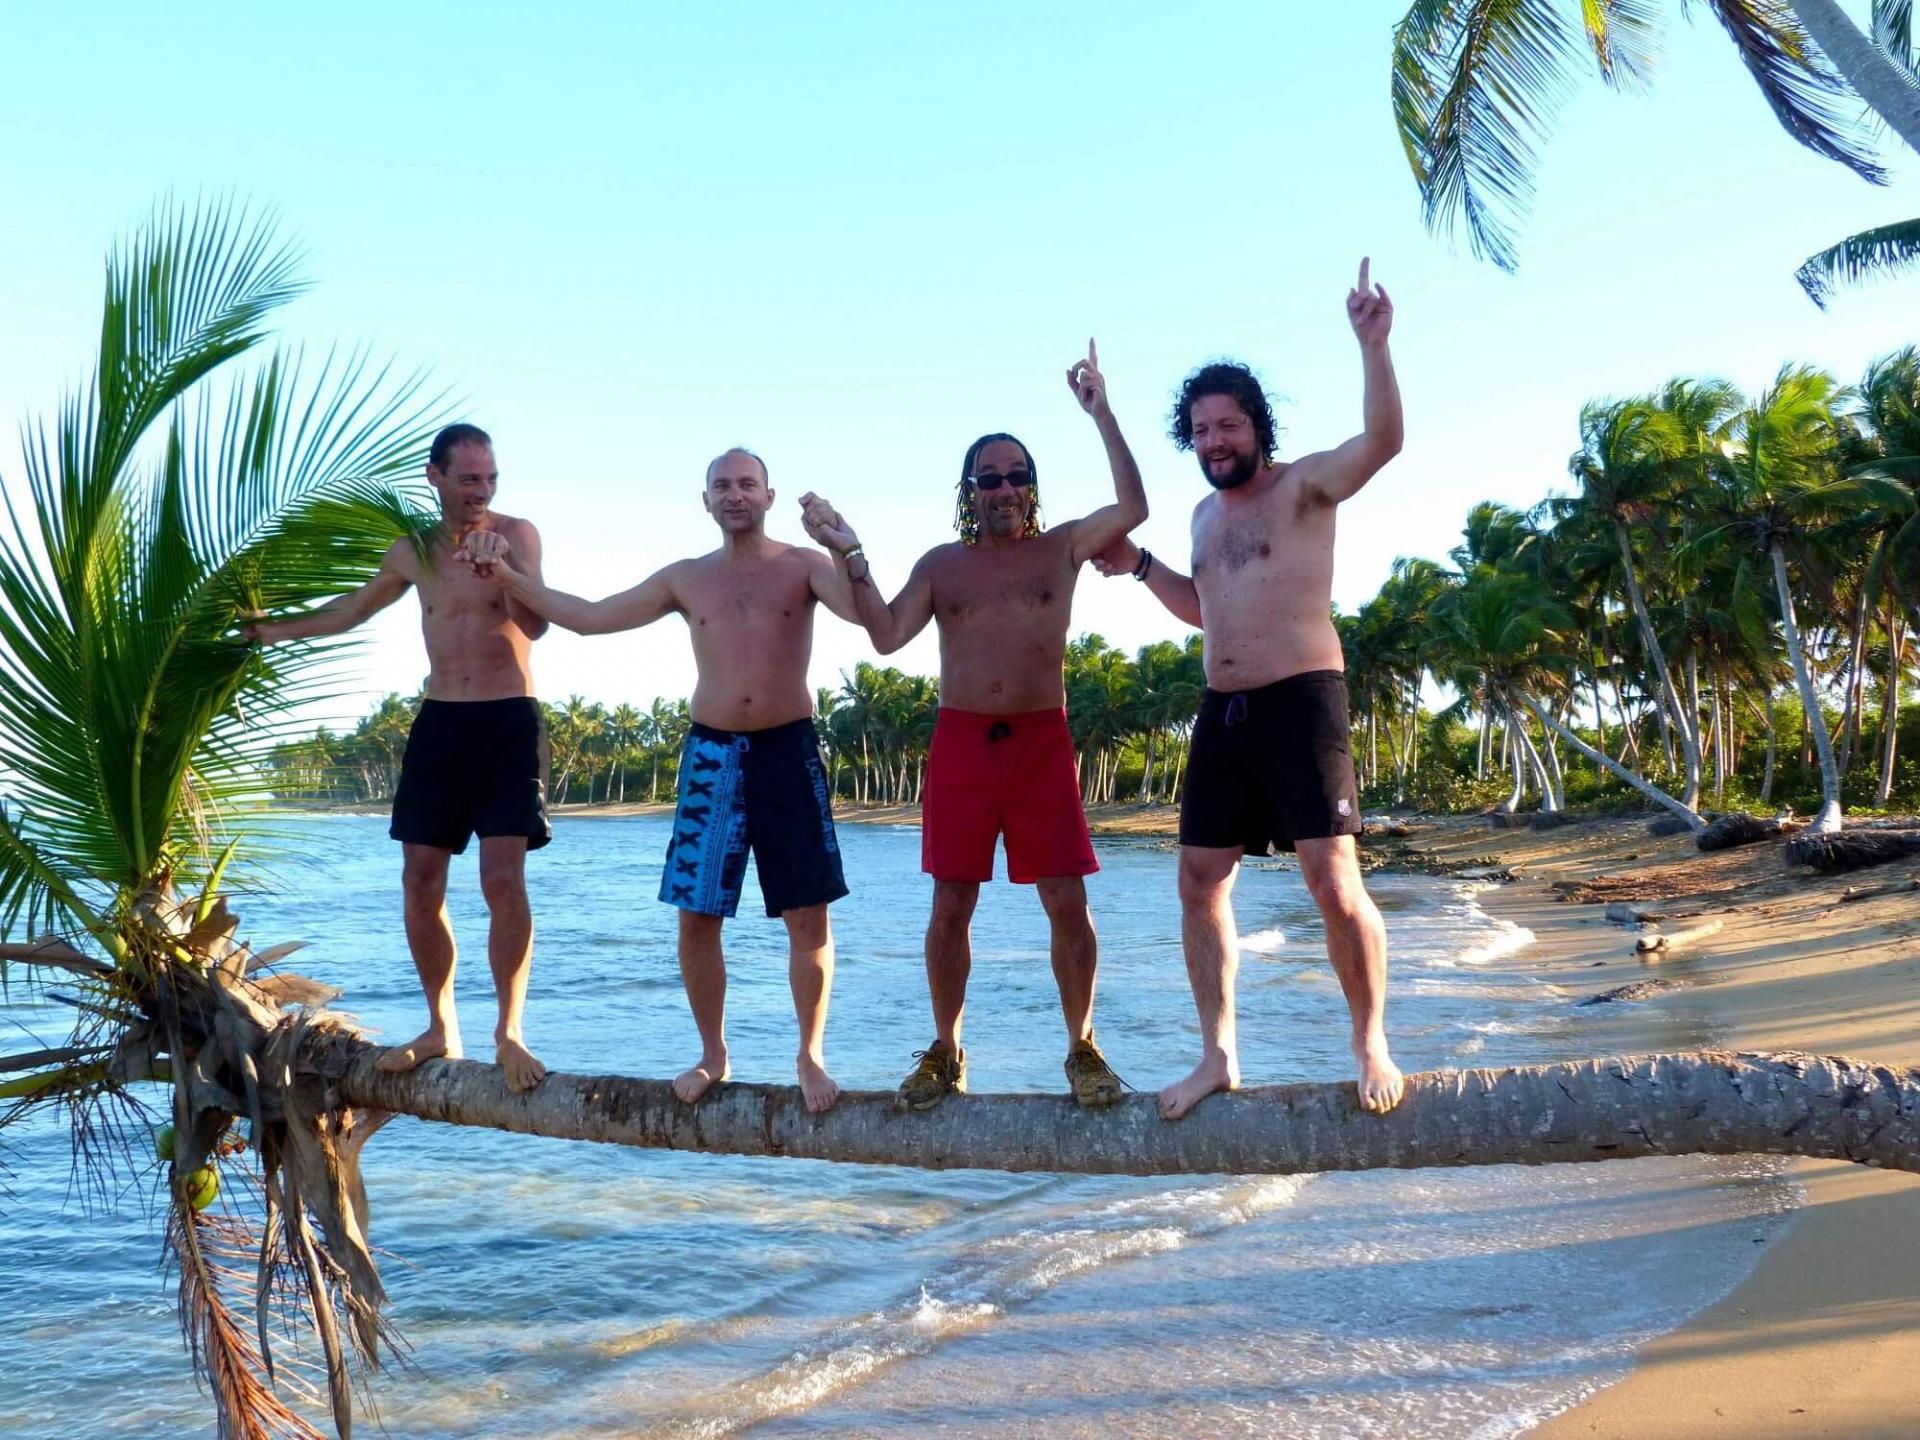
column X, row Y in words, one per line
column 825, row 526
column 1369, row 310
column 1089, row 386
column 1118, row 558
column 488, row 554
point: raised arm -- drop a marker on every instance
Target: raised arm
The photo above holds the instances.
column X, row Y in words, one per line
column 889, row 626
column 342, row 613
column 1337, row 474
column 1098, row 531
column 492, row 557
column 827, row 576
column 1169, row 586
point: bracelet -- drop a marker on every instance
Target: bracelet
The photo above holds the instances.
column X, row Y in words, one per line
column 1143, row 565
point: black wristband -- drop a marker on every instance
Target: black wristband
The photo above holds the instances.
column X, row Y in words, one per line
column 1143, row 564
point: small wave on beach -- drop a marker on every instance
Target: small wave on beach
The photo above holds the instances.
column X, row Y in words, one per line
column 1262, row 942
column 972, row 1289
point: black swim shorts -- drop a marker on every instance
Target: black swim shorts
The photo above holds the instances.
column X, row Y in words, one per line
column 758, row 790
column 473, row 767
column 1271, row 766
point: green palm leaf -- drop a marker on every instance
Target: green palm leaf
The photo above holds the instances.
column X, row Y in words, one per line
column 1883, row 250
column 1476, row 85
column 130, row 715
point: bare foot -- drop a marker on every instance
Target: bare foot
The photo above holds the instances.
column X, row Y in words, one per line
column 1216, row 1071
column 433, row 1043
column 523, row 1070
column 1381, row 1084
column 690, row 1085
column 817, row 1088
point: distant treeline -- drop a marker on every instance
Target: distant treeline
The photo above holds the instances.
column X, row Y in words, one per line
column 1725, row 604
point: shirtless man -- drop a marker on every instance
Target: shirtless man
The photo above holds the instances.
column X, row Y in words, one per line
column 750, row 770
column 1270, row 760
column 476, row 758
column 1002, row 759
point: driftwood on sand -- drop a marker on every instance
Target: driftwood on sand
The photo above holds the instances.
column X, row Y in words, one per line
column 1851, row 849
column 1678, row 939
column 1738, row 828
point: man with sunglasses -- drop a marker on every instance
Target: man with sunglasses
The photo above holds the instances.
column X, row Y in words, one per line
column 1002, row 760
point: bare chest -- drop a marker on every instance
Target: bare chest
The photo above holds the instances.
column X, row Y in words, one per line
column 1273, row 542
column 999, row 590
column 770, row 601
column 451, row 593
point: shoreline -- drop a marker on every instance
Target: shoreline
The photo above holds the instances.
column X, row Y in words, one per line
column 1823, row 1336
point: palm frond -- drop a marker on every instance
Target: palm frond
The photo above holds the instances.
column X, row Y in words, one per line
column 1883, row 250
column 1475, row 85
column 1893, row 33
column 1811, row 100
column 1622, row 35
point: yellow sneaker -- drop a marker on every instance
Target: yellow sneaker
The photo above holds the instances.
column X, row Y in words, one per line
column 1089, row 1076
column 940, row 1073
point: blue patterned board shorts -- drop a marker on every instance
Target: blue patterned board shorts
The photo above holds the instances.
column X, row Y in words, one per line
column 758, row 790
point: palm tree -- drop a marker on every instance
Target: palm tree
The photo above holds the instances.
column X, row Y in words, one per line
column 1476, row 84
column 1890, row 407
column 1627, row 450
column 135, row 730
column 1787, row 489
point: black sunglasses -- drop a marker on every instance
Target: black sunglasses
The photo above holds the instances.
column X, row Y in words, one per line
column 1019, row 479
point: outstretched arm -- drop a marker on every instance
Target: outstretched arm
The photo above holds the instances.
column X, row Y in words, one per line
column 1337, row 474
column 1109, row 523
column 889, row 626
column 491, row 556
column 343, row 612
column 1169, row 586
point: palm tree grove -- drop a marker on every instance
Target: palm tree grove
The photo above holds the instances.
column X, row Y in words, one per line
column 1713, row 612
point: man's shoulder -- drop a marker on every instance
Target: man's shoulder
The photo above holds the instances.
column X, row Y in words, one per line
column 514, row 527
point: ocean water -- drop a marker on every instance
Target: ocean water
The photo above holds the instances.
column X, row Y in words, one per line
column 564, row 1290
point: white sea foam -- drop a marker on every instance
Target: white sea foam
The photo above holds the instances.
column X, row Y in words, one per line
column 1262, row 942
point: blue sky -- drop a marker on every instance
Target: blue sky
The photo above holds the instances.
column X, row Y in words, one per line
column 631, row 236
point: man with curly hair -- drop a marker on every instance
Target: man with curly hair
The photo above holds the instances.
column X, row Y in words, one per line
column 1002, row 760
column 1270, row 763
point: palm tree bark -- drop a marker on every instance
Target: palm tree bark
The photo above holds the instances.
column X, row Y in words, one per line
column 1828, row 820
column 1875, row 78
column 1669, row 692
column 1645, row 787
column 1890, row 705
column 1603, row 1109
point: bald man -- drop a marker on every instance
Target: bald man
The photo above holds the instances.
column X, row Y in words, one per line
column 751, row 777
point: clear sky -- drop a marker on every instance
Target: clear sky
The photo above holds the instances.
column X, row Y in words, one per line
column 855, row 237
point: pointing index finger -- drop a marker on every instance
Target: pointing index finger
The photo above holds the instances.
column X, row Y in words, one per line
column 1093, row 353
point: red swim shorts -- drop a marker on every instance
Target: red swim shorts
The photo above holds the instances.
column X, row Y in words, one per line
column 1012, row 774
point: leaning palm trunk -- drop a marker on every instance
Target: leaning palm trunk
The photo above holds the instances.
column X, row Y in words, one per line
column 1701, row 1103
column 1646, row 787
column 1828, row 820
column 1890, row 704
column 1669, row 693
column 1886, row 89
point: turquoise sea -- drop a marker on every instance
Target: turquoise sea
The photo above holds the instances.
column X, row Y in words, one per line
column 563, row 1290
